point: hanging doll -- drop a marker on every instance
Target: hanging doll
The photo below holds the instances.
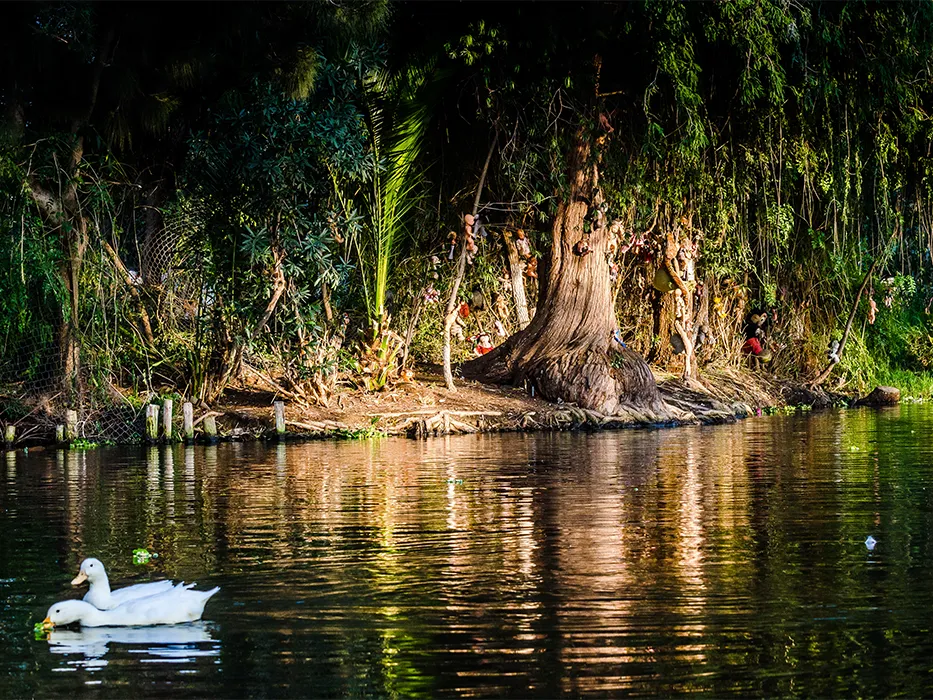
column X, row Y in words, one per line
column 522, row 245
column 483, row 344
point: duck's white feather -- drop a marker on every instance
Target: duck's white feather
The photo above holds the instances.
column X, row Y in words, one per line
column 99, row 594
column 111, row 599
column 180, row 604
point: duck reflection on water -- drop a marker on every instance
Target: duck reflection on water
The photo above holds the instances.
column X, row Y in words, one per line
column 157, row 644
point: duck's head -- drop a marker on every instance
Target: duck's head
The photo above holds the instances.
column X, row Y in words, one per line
column 64, row 613
column 91, row 570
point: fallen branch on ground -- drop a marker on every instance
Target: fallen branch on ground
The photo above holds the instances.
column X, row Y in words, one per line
column 206, row 415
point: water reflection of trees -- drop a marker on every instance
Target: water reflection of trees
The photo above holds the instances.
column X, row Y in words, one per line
column 681, row 560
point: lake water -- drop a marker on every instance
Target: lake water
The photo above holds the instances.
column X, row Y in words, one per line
column 721, row 560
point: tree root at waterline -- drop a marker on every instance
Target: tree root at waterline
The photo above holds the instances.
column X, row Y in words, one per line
column 584, row 377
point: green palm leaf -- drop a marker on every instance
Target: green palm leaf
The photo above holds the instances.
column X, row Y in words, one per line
column 398, row 110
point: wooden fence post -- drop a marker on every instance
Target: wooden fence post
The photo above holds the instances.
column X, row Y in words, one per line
column 167, row 406
column 188, row 412
column 279, row 407
column 152, row 422
column 71, row 425
column 210, row 428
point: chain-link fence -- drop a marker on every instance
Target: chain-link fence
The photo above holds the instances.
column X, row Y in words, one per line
column 35, row 394
column 156, row 273
column 172, row 266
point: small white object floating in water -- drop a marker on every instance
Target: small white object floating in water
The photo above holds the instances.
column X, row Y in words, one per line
column 870, row 542
column 101, row 597
column 180, row 604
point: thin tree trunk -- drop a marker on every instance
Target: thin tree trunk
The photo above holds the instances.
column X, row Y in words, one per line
column 232, row 357
column 278, row 289
column 450, row 316
column 63, row 214
column 662, row 316
column 518, row 281
column 152, row 261
column 325, row 298
column 683, row 323
column 451, row 311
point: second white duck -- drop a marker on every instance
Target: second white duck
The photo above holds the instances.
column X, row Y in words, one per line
column 101, row 597
column 180, row 604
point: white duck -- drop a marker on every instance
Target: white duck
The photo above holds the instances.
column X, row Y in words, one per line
column 100, row 596
column 180, row 604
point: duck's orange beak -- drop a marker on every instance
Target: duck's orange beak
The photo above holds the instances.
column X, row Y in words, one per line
column 47, row 623
column 79, row 579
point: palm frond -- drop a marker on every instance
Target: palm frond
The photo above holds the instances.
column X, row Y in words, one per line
column 184, row 72
column 157, row 110
column 300, row 79
column 398, row 112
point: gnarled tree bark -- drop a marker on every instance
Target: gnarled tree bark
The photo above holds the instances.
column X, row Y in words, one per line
column 567, row 352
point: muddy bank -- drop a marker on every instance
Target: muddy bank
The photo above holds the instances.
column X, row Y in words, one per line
column 424, row 407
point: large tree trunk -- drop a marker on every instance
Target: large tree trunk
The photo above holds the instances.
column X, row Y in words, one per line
column 567, row 352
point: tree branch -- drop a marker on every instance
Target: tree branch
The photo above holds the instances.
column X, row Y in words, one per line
column 845, row 334
column 134, row 292
column 451, row 313
column 49, row 206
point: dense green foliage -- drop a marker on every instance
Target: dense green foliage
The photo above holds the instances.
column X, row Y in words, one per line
column 192, row 195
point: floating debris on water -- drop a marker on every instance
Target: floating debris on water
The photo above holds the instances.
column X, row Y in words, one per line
column 455, row 481
column 143, row 556
column 870, row 542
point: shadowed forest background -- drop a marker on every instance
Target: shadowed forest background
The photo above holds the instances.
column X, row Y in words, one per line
column 197, row 196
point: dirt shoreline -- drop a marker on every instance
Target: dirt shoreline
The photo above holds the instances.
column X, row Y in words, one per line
column 424, row 408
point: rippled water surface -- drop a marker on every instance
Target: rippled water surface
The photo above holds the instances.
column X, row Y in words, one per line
column 727, row 560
